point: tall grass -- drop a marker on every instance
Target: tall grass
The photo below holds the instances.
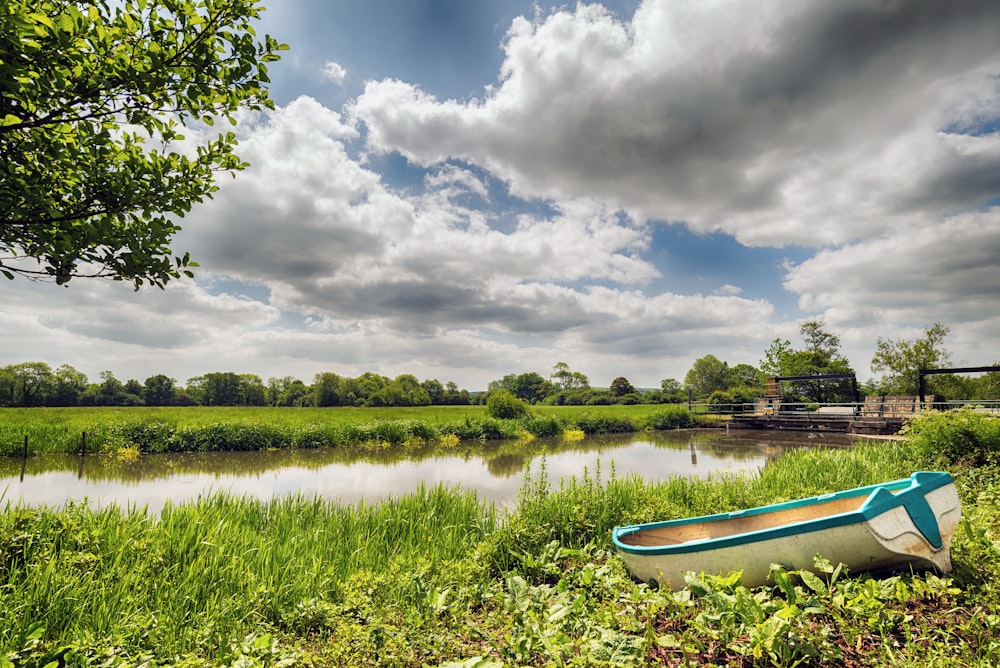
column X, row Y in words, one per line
column 202, row 429
column 203, row 571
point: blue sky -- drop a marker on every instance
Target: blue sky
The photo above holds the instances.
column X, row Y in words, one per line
column 462, row 190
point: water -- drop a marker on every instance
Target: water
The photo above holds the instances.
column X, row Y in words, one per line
column 494, row 471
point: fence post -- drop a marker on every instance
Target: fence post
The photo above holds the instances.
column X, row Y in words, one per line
column 24, row 460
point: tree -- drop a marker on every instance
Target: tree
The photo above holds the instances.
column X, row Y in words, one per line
column 774, row 357
column 218, row 388
column 134, row 390
column 252, row 391
column 160, row 390
column 818, row 341
column 277, row 387
column 707, row 375
column 95, row 94
column 111, row 392
column 296, row 393
column 671, row 392
column 404, row 390
column 988, row 386
column 901, row 361
column 31, row 384
column 620, row 386
column 566, row 380
column 69, row 384
column 506, row 383
column 358, row 391
column 531, row 387
column 671, row 386
column 34, row 383
column 435, row 390
column 745, row 375
column 453, row 396
column 289, row 391
column 821, row 356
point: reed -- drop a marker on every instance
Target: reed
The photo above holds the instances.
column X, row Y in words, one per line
column 220, row 564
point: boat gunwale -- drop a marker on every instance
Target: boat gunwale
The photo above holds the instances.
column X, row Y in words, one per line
column 919, row 484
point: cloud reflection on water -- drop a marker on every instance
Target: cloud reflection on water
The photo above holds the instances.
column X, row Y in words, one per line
column 494, row 476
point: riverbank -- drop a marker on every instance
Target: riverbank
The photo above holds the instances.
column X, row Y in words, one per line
column 209, row 429
column 436, row 578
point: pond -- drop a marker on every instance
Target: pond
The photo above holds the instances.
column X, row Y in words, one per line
column 495, row 471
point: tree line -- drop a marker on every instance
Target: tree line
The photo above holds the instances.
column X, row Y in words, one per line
column 32, row 384
column 710, row 379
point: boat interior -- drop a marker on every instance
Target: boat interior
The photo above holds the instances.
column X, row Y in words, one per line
column 737, row 523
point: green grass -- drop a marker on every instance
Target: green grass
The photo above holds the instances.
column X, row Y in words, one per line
column 185, row 581
column 202, row 429
column 438, row 579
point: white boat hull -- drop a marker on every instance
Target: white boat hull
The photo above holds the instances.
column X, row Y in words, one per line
column 890, row 539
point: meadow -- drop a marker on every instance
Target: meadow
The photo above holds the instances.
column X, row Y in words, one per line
column 439, row 579
column 202, row 429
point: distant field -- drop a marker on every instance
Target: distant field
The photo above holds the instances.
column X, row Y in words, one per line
column 244, row 428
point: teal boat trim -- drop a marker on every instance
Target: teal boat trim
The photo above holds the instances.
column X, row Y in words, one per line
column 907, row 493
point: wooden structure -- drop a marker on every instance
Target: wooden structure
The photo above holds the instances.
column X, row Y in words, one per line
column 878, row 415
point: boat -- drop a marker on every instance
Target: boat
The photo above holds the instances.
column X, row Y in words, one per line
column 902, row 524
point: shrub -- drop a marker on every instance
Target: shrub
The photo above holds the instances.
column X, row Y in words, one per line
column 964, row 435
column 720, row 401
column 604, row 424
column 503, row 405
column 484, row 429
column 314, row 436
column 147, row 436
column 542, row 426
column 672, row 417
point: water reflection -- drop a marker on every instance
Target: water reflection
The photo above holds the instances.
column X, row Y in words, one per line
column 493, row 470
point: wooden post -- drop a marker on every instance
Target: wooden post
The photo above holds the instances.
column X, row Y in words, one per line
column 83, row 451
column 24, row 461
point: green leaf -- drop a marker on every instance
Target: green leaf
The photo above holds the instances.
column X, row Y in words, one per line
column 41, row 18
column 813, row 582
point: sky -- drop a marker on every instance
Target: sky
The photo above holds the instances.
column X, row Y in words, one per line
column 462, row 190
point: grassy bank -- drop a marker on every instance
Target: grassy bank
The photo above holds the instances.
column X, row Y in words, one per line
column 437, row 579
column 202, row 429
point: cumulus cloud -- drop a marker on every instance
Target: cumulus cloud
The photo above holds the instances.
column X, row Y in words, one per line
column 181, row 331
column 807, row 123
column 335, row 72
column 946, row 272
column 332, row 240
